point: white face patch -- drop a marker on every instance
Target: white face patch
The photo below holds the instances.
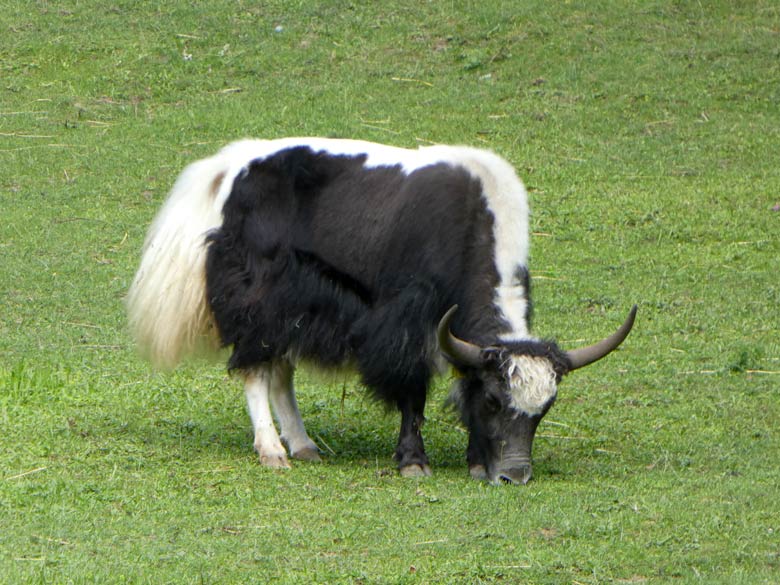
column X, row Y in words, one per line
column 532, row 384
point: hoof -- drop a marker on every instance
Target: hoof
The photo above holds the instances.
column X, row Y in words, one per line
column 478, row 472
column 415, row 470
column 275, row 461
column 308, row 454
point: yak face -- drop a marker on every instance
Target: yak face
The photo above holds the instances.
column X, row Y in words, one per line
column 502, row 403
column 505, row 391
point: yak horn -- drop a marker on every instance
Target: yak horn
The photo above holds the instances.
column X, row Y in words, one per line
column 587, row 355
column 458, row 351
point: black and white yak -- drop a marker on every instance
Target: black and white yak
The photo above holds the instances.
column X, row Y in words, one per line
column 348, row 252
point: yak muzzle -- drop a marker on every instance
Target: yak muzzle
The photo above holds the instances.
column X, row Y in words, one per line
column 515, row 475
column 512, row 470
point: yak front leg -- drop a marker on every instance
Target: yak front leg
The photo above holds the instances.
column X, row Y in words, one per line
column 410, row 453
column 257, row 387
column 287, row 414
column 475, row 459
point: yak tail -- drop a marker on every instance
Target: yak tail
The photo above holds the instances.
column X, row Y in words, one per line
column 168, row 311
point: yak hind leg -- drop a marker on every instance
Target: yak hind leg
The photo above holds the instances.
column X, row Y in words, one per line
column 410, row 452
column 287, row 414
column 257, row 387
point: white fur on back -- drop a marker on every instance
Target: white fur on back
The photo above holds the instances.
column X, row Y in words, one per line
column 532, row 384
column 242, row 153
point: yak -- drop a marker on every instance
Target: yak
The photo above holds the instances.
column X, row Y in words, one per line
column 341, row 252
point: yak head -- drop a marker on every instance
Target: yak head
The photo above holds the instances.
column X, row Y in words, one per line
column 506, row 389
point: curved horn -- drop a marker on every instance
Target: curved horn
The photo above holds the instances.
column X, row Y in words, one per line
column 456, row 350
column 587, row 355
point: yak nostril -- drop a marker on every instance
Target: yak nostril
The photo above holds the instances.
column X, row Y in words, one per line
column 516, row 475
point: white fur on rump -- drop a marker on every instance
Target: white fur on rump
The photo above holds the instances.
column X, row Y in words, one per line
column 166, row 304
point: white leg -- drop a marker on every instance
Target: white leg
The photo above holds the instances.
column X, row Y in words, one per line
column 286, row 409
column 257, row 386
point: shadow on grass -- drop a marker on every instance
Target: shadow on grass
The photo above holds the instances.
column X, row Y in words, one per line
column 362, row 441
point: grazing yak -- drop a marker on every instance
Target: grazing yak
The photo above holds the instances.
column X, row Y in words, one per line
column 348, row 252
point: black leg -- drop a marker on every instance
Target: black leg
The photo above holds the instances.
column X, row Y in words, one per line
column 410, row 453
column 475, row 459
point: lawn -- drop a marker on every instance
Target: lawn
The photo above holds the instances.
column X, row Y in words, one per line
column 648, row 135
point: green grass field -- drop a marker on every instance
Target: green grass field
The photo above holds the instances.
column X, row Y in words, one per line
column 648, row 134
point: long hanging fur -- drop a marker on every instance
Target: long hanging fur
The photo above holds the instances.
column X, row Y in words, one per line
column 167, row 306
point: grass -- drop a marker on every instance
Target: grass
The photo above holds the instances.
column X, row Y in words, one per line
column 647, row 133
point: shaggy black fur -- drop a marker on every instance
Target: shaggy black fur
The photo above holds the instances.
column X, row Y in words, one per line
column 321, row 258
